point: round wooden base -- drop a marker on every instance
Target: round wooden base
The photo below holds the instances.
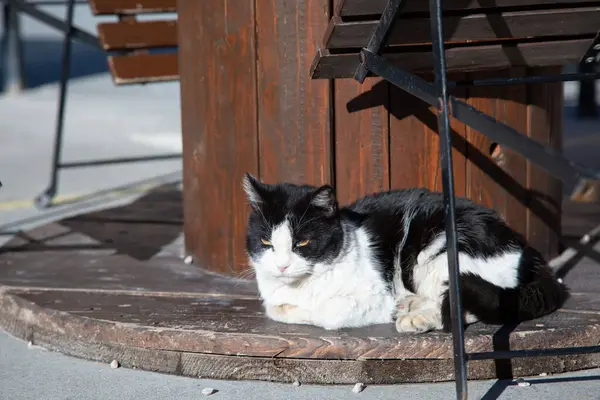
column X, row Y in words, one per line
column 112, row 285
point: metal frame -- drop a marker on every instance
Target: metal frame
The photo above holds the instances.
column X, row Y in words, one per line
column 436, row 94
column 13, row 51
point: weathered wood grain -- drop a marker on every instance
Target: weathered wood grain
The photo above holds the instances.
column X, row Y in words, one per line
column 129, row 7
column 511, row 109
column 144, row 68
column 460, row 29
column 544, row 124
column 220, row 137
column 294, row 112
column 347, row 8
column 128, row 35
column 460, row 59
column 408, row 166
column 362, row 138
column 414, row 143
column 481, row 188
column 130, row 329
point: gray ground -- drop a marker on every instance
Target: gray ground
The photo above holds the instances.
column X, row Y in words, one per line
column 105, row 121
column 37, row 374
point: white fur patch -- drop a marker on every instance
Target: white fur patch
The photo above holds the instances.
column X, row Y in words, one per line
column 282, row 242
column 430, row 273
column 251, row 193
column 348, row 292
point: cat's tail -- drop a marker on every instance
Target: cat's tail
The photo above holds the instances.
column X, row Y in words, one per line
column 542, row 294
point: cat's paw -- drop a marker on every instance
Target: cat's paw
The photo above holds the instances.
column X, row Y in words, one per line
column 409, row 303
column 287, row 313
column 419, row 322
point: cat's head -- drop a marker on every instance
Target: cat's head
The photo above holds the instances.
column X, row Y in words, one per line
column 293, row 230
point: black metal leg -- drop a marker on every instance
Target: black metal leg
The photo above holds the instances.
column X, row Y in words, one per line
column 385, row 24
column 460, row 359
column 45, row 199
column 12, row 50
column 587, row 107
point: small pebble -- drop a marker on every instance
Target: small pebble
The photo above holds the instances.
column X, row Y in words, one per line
column 188, row 260
column 296, row 383
column 359, row 387
column 114, row 364
column 523, row 383
column 208, row 391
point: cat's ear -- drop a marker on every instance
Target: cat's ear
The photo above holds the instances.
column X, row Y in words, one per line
column 324, row 198
column 254, row 189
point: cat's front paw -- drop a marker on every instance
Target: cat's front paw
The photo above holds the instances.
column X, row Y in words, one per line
column 409, row 303
column 419, row 322
column 287, row 313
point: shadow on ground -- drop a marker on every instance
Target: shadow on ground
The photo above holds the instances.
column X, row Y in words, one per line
column 141, row 229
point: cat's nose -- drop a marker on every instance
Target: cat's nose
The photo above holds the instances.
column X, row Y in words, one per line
column 282, row 269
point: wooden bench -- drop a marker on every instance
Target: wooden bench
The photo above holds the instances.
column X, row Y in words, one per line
column 479, row 34
column 513, row 38
column 140, row 51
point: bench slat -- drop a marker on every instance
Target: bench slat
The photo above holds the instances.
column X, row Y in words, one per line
column 144, row 68
column 137, row 35
column 132, row 7
column 465, row 59
column 353, row 8
column 470, row 28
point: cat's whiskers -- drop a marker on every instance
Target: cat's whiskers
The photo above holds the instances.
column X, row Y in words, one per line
column 245, row 273
column 303, row 214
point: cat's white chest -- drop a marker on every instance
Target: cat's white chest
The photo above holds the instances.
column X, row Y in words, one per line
column 350, row 292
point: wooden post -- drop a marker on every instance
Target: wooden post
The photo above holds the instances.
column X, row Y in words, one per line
column 248, row 105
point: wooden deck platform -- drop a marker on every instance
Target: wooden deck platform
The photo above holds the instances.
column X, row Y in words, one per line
column 112, row 285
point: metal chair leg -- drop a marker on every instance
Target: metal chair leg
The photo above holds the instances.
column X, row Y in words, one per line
column 12, row 50
column 587, row 107
column 45, row 199
column 460, row 357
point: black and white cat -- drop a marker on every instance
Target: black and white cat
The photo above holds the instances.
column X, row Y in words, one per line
column 383, row 258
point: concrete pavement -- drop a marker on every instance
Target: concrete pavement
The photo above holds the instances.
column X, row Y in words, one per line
column 38, row 374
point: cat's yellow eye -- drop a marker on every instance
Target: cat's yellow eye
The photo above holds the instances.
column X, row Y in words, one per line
column 303, row 243
column 265, row 242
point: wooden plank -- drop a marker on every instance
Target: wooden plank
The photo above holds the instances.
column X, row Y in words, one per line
column 511, row 109
column 143, row 68
column 353, row 8
column 129, row 35
column 75, row 336
column 131, row 7
column 459, row 143
column 361, row 143
column 481, row 187
column 465, row 59
column 217, row 49
column 408, row 165
column 544, row 125
column 414, row 143
column 459, row 151
column 238, row 327
column 294, row 116
column 479, row 27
